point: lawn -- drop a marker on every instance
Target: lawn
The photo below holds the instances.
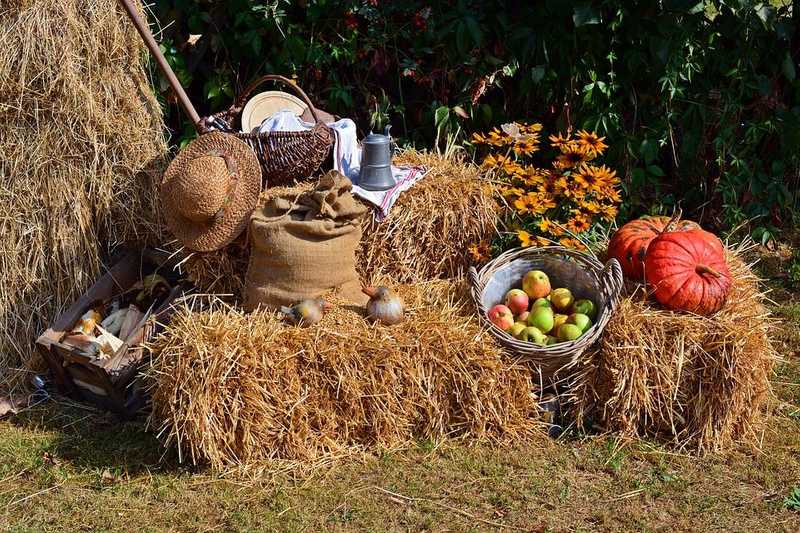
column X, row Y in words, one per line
column 67, row 468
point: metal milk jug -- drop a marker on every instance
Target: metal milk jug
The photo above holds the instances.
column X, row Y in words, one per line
column 376, row 162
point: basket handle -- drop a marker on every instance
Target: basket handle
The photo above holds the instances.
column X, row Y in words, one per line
column 612, row 282
column 238, row 105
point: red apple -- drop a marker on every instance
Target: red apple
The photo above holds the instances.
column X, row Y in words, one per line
column 523, row 317
column 536, row 284
column 517, row 301
column 501, row 316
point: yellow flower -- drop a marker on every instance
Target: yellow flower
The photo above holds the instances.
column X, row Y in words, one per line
column 526, row 145
column 610, row 193
column 530, row 128
column 578, row 224
column 511, row 191
column 608, row 212
column 589, row 206
column 525, row 238
column 572, row 154
column 557, row 141
column 479, row 252
column 477, row 138
column 569, row 242
column 592, row 141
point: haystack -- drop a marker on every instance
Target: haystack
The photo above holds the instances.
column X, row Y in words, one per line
column 430, row 228
column 426, row 236
column 78, row 128
column 234, row 389
column 701, row 383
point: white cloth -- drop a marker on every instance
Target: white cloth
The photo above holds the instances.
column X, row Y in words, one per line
column 347, row 159
column 404, row 178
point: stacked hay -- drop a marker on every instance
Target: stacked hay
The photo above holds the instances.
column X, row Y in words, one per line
column 700, row 382
column 426, row 236
column 235, row 389
column 429, row 230
column 78, row 125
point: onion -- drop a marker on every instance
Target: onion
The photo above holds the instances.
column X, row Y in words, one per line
column 384, row 306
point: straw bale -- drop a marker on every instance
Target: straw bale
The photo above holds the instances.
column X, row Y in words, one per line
column 701, row 383
column 245, row 389
column 426, row 236
column 78, row 126
column 428, row 231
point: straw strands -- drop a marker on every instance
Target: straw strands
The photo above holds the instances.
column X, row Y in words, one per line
column 701, row 382
column 78, row 125
column 429, row 230
column 232, row 389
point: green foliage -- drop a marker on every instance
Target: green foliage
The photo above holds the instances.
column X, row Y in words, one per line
column 792, row 501
column 698, row 99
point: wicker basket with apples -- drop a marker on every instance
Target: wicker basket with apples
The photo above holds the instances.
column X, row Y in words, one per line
column 547, row 305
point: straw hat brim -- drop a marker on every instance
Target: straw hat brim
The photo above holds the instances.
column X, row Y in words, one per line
column 264, row 105
column 217, row 233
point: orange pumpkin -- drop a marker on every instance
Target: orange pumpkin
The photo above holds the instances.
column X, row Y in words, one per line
column 687, row 271
column 629, row 244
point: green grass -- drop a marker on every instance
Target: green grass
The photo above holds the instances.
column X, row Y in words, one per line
column 65, row 468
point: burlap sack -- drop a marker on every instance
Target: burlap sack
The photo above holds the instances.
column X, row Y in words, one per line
column 303, row 245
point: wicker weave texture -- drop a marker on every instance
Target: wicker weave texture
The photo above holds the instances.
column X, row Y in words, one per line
column 285, row 156
column 582, row 273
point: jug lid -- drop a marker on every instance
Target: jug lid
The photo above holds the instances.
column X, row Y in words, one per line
column 377, row 138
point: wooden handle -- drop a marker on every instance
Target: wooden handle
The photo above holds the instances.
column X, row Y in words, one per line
column 152, row 45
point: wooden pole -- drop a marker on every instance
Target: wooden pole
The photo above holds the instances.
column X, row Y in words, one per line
column 152, row 45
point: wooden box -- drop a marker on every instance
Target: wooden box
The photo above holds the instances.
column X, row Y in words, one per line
column 110, row 384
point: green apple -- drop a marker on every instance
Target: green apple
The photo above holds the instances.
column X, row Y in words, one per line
column 585, row 307
column 536, row 284
column 580, row 320
column 517, row 328
column 541, row 318
column 562, row 299
column 541, row 302
column 569, row 332
column 532, row 334
column 551, row 340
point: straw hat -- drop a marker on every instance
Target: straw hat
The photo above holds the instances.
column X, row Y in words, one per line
column 209, row 191
column 266, row 104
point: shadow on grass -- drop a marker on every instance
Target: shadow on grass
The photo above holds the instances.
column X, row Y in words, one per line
column 91, row 439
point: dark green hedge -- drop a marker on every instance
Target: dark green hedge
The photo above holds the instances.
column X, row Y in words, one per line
column 699, row 100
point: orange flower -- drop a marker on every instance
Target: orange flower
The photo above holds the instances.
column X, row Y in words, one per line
column 511, row 191
column 612, row 194
column 608, row 212
column 569, row 242
column 589, row 206
column 525, row 238
column 578, row 224
column 526, row 145
column 479, row 252
column 592, row 141
column 530, row 128
column 572, row 155
column 557, row 141
column 528, row 203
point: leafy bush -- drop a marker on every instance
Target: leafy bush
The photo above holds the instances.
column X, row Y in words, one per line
column 700, row 99
column 557, row 203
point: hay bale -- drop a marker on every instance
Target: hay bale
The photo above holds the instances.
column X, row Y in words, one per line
column 699, row 382
column 78, row 125
column 426, row 236
column 231, row 389
column 429, row 229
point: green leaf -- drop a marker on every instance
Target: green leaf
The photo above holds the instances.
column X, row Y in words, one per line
column 458, row 110
column 584, row 14
column 537, row 74
column 441, row 115
column 655, row 170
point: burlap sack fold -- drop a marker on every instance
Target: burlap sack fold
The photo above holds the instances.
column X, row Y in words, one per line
column 304, row 245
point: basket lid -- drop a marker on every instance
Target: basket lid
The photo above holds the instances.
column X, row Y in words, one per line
column 266, row 104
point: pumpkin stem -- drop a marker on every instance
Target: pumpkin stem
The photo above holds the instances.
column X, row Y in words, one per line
column 676, row 217
column 703, row 269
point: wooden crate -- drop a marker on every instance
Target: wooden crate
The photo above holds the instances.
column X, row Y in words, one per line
column 110, row 384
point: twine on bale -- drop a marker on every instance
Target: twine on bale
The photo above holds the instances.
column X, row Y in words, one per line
column 700, row 382
column 81, row 147
column 231, row 389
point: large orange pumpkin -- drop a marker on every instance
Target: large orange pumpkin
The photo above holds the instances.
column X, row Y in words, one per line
column 687, row 271
column 629, row 244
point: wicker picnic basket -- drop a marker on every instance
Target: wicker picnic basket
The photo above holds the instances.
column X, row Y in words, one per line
column 582, row 273
column 285, row 156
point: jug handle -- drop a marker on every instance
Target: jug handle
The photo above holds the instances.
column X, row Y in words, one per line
column 392, row 145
